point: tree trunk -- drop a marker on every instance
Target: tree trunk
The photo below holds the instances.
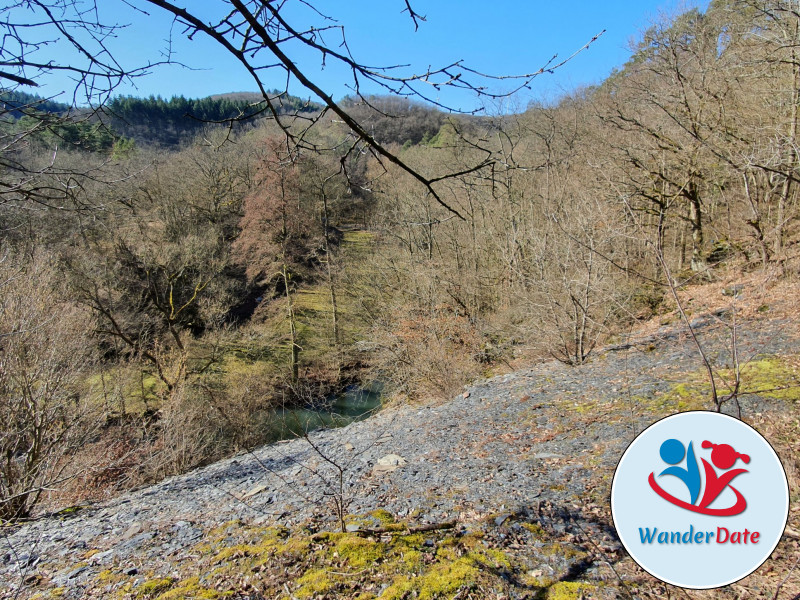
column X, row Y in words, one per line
column 791, row 154
column 295, row 360
column 696, row 222
column 331, row 281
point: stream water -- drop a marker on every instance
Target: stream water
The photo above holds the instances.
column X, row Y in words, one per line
column 354, row 404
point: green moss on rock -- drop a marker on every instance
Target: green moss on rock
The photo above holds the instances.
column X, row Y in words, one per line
column 570, row 590
column 357, row 551
column 191, row 588
column 154, row 587
column 314, row 582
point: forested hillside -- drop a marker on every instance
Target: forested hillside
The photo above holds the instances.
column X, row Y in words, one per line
column 163, row 122
column 152, row 121
column 160, row 300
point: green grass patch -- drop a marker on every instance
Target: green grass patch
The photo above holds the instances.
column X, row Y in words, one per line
column 316, row 299
column 358, row 239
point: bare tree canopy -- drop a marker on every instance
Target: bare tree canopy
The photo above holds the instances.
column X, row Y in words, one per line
column 266, row 37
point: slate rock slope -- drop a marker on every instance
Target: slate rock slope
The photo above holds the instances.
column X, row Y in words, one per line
column 542, row 441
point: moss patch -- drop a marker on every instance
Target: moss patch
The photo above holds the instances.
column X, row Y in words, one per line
column 770, row 378
column 570, row 590
column 316, row 581
column 384, row 516
column 154, row 587
column 535, row 529
column 306, row 564
column 693, row 394
column 448, row 578
column 126, row 390
column 191, row 588
column 357, row 551
column 436, row 564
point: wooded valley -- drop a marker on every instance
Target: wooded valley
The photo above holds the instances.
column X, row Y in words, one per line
column 172, row 271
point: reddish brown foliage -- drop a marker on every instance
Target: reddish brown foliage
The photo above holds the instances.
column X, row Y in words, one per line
column 279, row 226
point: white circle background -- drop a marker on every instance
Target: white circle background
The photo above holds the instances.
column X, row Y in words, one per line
column 635, row 505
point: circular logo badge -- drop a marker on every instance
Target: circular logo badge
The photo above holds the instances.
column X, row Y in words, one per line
column 700, row 499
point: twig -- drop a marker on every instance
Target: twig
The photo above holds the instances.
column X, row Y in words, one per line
column 785, row 579
column 603, row 554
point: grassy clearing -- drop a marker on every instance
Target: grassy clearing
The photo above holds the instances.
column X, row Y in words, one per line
column 124, row 390
column 357, row 241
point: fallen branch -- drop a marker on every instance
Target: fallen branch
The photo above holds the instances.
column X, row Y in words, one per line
column 406, row 530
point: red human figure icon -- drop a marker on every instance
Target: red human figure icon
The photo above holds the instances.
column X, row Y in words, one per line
column 724, row 457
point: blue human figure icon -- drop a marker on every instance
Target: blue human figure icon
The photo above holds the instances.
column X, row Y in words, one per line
column 672, row 453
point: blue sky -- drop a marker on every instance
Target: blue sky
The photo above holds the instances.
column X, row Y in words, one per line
column 504, row 37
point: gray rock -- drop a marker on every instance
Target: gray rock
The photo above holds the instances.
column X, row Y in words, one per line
column 501, row 519
column 134, row 529
column 733, row 290
column 75, row 573
column 135, row 542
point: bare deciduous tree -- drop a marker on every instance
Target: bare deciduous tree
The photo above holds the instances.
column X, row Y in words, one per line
column 44, row 355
